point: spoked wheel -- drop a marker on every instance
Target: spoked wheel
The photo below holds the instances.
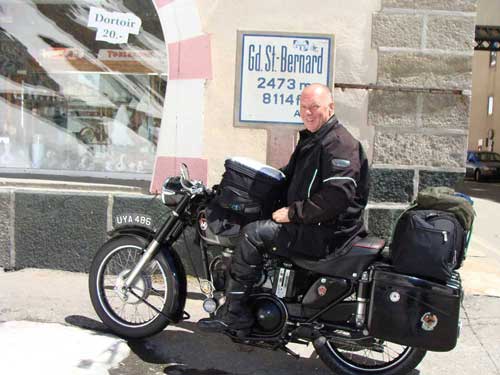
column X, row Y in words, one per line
column 378, row 358
column 141, row 310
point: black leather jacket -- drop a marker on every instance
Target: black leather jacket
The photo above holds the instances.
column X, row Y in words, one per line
column 327, row 179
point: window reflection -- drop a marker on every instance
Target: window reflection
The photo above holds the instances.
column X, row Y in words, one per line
column 70, row 102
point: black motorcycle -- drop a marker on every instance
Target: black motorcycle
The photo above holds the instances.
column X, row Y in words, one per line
column 361, row 316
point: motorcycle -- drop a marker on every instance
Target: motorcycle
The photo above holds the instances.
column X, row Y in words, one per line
column 360, row 315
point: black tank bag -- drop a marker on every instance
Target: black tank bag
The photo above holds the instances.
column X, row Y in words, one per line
column 248, row 191
column 249, row 187
column 429, row 244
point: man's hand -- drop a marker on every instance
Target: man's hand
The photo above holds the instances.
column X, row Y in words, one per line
column 281, row 215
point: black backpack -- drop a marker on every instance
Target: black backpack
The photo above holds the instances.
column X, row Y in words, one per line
column 429, row 244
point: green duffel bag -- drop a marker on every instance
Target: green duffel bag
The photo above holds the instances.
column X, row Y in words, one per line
column 443, row 198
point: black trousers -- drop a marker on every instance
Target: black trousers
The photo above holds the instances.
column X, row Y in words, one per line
column 285, row 240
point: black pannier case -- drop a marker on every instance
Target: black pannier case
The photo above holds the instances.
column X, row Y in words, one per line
column 429, row 244
column 414, row 312
column 248, row 191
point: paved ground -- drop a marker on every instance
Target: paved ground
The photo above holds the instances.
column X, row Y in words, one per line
column 50, row 328
column 489, row 190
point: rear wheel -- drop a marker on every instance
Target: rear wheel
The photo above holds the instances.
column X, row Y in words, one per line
column 137, row 312
column 383, row 358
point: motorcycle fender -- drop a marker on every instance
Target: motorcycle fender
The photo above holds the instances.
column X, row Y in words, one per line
column 180, row 288
column 174, row 262
column 132, row 230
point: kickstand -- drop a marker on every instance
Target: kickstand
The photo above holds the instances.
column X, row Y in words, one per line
column 288, row 351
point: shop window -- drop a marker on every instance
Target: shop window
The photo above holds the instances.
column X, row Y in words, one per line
column 493, row 59
column 82, row 86
column 490, row 105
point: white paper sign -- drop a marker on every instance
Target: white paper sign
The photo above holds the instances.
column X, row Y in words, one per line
column 274, row 70
column 113, row 27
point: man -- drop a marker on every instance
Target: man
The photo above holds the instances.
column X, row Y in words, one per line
column 326, row 192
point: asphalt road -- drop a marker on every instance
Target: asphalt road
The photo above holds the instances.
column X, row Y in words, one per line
column 50, row 328
column 485, row 190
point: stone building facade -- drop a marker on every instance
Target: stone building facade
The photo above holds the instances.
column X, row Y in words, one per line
column 420, row 109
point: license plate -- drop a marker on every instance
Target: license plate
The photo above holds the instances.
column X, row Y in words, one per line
column 133, row 219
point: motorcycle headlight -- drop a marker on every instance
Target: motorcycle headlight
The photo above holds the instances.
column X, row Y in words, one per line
column 171, row 192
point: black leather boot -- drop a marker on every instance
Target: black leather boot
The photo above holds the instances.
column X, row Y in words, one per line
column 235, row 314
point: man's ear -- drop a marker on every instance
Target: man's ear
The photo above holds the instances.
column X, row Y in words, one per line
column 331, row 107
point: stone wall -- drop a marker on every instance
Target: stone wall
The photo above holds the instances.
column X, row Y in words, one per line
column 63, row 229
column 420, row 105
column 6, row 230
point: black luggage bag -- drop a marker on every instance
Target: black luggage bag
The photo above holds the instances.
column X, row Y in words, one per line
column 248, row 191
column 249, row 187
column 429, row 244
column 411, row 311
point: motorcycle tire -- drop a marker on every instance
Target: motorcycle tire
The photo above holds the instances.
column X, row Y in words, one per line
column 130, row 315
column 343, row 360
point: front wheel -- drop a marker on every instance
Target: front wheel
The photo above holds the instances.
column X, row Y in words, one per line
column 381, row 358
column 142, row 310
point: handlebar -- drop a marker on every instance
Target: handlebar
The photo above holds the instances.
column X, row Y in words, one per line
column 194, row 187
column 183, row 184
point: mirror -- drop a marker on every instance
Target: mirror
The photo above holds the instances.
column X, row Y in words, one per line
column 184, row 172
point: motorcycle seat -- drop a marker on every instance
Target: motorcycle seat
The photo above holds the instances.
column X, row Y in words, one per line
column 350, row 264
column 374, row 243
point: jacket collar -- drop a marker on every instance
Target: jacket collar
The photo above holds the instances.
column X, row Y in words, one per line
column 331, row 123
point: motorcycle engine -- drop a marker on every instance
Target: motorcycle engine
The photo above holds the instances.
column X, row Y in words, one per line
column 270, row 314
column 276, row 285
column 278, row 282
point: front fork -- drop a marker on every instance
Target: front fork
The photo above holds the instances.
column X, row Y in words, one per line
column 169, row 231
column 150, row 252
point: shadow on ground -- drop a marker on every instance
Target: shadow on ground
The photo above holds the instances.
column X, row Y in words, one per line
column 87, row 323
column 185, row 350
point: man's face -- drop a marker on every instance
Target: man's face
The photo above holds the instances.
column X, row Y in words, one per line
column 316, row 108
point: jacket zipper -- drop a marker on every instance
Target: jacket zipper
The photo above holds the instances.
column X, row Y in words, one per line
column 453, row 256
column 445, row 236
